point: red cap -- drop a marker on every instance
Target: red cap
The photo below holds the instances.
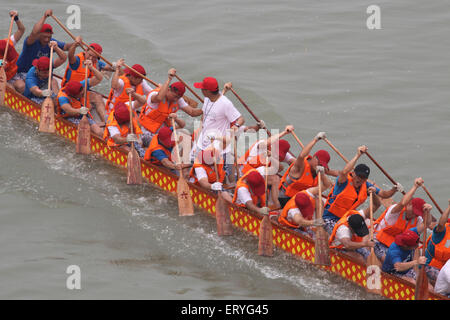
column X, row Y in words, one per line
column 73, row 88
column 324, row 158
column 179, row 88
column 136, row 67
column 43, row 63
column 121, row 113
column 257, row 183
column 209, row 83
column 417, row 205
column 47, row 28
column 165, row 137
column 408, row 238
column 303, row 202
column 283, row 148
column 97, row 48
column 12, row 53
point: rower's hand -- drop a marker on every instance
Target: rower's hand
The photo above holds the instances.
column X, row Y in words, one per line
column 48, row 13
column 362, row 149
column 369, row 243
column 53, row 44
column 398, row 187
column 88, row 63
column 372, row 190
column 289, row 128
column 13, row 13
column 264, row 211
column 227, row 86
column 318, row 222
column 173, row 115
column 261, row 124
column 216, row 186
column 129, row 91
column 320, row 169
column 320, row 135
column 78, row 40
column 418, row 182
column 427, row 207
column 172, row 73
column 46, row 93
column 421, row 260
column 120, row 63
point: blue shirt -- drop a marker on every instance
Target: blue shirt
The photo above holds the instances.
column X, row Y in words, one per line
column 64, row 100
column 396, row 254
column 338, row 188
column 436, row 237
column 33, row 51
column 100, row 66
column 33, row 80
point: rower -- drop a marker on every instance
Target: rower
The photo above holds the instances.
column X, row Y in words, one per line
column 120, row 82
column 398, row 217
column 37, row 45
column 70, row 99
column 160, row 149
column 350, row 233
column 351, row 190
column 160, row 103
column 75, row 70
column 203, row 172
column 250, row 191
column 36, row 84
column 299, row 211
column 10, row 62
column 118, row 127
column 302, row 173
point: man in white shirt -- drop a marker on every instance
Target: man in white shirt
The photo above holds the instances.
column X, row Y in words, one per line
column 442, row 285
column 219, row 115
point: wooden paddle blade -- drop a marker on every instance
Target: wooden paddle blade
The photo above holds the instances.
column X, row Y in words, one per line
column 265, row 245
column 134, row 174
column 3, row 81
column 321, row 248
column 224, row 225
column 373, row 273
column 421, row 292
column 47, row 121
column 185, row 204
column 83, row 143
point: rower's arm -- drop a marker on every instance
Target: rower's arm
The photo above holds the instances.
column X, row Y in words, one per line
column 193, row 112
column 158, row 98
column 34, row 35
column 62, row 57
column 20, row 28
column 342, row 177
column 67, row 107
column 98, row 76
column 115, row 85
column 119, row 139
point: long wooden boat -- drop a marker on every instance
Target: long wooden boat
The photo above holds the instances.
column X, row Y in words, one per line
column 284, row 238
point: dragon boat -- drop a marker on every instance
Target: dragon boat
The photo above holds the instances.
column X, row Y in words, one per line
column 284, row 238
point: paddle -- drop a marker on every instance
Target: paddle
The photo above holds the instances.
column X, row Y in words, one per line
column 189, row 88
column 47, row 117
column 134, row 174
column 224, row 226
column 373, row 271
column 3, row 78
column 83, row 143
column 265, row 243
column 235, row 155
column 421, row 292
column 185, row 205
column 386, row 202
column 432, row 199
column 321, row 247
column 250, row 111
column 298, row 140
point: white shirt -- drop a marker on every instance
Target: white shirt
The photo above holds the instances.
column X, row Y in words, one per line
column 217, row 117
column 391, row 218
column 344, row 232
column 442, row 285
column 152, row 106
column 243, row 194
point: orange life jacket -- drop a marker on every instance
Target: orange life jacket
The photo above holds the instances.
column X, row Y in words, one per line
column 79, row 73
column 11, row 66
column 154, row 146
column 124, row 129
column 156, row 117
column 210, row 172
column 74, row 102
column 305, row 181
column 344, row 221
column 112, row 100
column 348, row 199
column 387, row 235
column 257, row 201
column 441, row 250
column 282, row 218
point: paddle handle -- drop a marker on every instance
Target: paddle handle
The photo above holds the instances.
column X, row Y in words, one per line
column 235, row 155
column 298, row 140
column 176, row 145
column 50, row 70
column 371, row 214
column 335, row 150
column 189, row 88
column 249, row 110
column 319, row 181
column 131, row 113
column 432, row 199
column 5, row 54
column 266, row 178
column 86, row 71
column 381, row 168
